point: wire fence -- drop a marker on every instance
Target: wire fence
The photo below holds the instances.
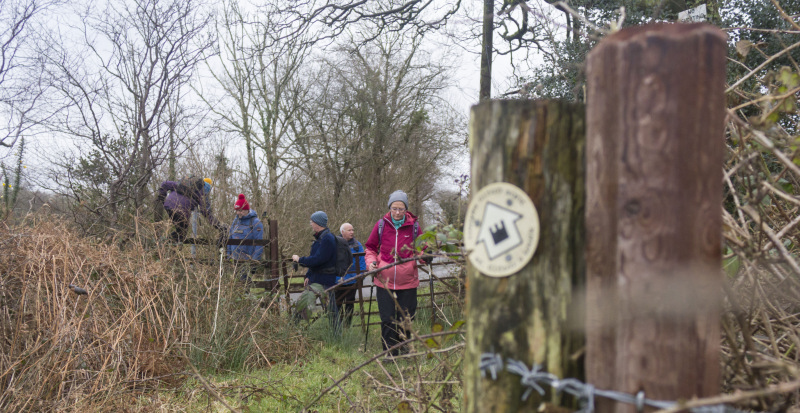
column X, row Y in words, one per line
column 535, row 379
column 441, row 289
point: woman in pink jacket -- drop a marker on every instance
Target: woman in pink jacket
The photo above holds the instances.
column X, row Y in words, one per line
column 392, row 239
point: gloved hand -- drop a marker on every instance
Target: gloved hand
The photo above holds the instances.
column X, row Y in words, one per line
column 427, row 259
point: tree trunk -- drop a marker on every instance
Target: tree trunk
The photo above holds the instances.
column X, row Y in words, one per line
column 272, row 191
column 252, row 168
column 655, row 135
column 486, row 51
column 172, row 156
column 529, row 316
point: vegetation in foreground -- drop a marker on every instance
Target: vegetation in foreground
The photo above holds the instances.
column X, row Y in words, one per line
column 149, row 335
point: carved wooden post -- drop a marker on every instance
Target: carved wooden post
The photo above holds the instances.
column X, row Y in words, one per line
column 528, row 316
column 655, row 125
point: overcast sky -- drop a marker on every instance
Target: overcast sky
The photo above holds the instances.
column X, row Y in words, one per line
column 464, row 55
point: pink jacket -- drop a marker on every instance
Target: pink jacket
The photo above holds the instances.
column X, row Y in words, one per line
column 393, row 243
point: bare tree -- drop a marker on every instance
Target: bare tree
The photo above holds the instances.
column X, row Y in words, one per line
column 487, row 35
column 20, row 69
column 125, row 99
column 331, row 18
column 377, row 122
column 261, row 75
column 518, row 28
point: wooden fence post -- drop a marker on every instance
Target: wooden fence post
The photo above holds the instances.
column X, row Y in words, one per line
column 528, row 316
column 274, row 252
column 655, row 126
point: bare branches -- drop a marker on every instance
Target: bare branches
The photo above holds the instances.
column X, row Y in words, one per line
column 262, row 77
column 335, row 17
column 374, row 118
column 126, row 99
column 420, row 339
column 21, row 85
column 762, row 181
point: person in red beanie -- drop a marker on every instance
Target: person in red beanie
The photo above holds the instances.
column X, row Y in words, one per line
column 246, row 225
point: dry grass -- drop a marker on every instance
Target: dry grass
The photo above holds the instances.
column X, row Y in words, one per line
column 148, row 313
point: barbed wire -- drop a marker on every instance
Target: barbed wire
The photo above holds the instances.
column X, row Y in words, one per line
column 535, row 378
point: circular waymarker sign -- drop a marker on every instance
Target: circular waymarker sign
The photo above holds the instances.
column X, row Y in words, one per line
column 501, row 230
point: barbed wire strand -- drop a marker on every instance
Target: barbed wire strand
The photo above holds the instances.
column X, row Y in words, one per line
column 535, row 378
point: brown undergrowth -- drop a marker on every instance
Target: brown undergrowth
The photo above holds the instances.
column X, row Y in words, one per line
column 147, row 313
column 760, row 336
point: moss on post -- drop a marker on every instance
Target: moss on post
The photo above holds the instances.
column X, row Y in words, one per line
column 532, row 315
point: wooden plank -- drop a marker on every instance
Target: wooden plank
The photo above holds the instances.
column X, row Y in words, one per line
column 655, row 135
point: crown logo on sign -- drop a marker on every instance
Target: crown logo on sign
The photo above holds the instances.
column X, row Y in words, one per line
column 499, row 233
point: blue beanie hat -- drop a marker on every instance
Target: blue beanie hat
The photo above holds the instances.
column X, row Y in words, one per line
column 320, row 218
column 398, row 196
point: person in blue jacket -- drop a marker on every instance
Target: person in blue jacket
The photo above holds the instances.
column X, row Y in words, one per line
column 246, row 225
column 346, row 294
column 321, row 262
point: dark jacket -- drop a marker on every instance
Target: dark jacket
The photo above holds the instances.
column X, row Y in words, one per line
column 247, row 227
column 358, row 263
column 177, row 202
column 321, row 261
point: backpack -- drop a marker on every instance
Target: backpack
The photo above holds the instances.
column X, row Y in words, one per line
column 190, row 187
column 344, row 257
column 380, row 229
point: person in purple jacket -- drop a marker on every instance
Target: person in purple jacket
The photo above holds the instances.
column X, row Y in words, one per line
column 179, row 207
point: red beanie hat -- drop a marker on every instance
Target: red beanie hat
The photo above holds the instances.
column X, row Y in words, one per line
column 241, row 204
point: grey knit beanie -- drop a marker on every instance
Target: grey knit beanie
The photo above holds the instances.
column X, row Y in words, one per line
column 398, row 196
column 320, row 218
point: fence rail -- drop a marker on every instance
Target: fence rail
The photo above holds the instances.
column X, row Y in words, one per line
column 273, row 274
column 365, row 294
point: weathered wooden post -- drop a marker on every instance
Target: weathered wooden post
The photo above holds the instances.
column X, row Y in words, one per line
column 274, row 254
column 655, row 125
column 529, row 315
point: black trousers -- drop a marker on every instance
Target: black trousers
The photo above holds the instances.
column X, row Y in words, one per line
column 345, row 298
column 392, row 315
column 181, row 222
